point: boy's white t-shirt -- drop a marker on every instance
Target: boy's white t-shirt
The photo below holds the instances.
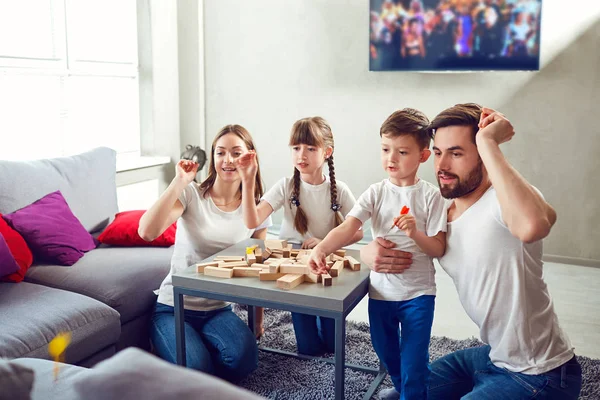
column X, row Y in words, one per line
column 500, row 285
column 382, row 202
column 202, row 230
column 315, row 200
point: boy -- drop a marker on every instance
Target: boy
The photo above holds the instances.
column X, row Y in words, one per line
column 407, row 299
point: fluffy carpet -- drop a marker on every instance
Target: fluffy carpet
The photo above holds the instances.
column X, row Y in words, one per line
column 280, row 377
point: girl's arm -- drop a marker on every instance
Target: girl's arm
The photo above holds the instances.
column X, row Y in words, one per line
column 165, row 211
column 254, row 215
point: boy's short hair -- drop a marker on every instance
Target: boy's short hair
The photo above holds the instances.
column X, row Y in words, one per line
column 465, row 114
column 408, row 121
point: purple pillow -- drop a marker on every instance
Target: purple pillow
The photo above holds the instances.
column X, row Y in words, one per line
column 51, row 230
column 8, row 265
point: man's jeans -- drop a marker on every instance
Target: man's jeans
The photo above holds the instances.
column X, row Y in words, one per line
column 217, row 342
column 469, row 374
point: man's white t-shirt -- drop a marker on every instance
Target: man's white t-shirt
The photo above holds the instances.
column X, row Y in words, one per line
column 202, row 230
column 382, row 202
column 315, row 200
column 500, row 285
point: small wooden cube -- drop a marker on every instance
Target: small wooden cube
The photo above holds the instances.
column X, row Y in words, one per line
column 311, row 277
column 326, row 279
column 289, row 281
column 250, row 259
column 219, row 272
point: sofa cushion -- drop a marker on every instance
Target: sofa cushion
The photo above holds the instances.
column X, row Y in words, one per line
column 32, row 315
column 154, row 379
column 16, row 381
column 87, row 181
column 122, row 277
column 44, row 385
column 123, row 231
column 18, row 249
column 8, row 265
column 51, row 230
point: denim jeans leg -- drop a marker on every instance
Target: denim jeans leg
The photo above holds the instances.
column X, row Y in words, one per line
column 385, row 336
column 306, row 330
column 327, row 333
column 162, row 334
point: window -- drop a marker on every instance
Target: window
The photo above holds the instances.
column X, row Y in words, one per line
column 68, row 77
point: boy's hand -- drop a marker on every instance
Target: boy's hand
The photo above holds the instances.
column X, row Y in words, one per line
column 495, row 126
column 407, row 223
column 310, row 243
column 318, row 261
column 186, row 171
column 247, row 166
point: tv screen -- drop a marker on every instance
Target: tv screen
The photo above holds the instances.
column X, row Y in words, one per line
column 454, row 35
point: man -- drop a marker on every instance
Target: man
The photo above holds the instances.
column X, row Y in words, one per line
column 496, row 224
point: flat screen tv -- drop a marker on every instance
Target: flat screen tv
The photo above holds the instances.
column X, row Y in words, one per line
column 454, row 35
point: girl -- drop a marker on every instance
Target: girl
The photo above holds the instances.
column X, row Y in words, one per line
column 209, row 219
column 313, row 205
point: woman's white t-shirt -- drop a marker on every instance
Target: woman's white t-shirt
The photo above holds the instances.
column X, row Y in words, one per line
column 202, row 230
column 315, row 200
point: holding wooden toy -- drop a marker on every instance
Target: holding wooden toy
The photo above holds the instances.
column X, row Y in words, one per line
column 313, row 205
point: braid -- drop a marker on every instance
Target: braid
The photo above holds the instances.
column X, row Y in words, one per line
column 335, row 207
column 300, row 220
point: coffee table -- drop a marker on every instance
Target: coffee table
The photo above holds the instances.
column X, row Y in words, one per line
column 335, row 302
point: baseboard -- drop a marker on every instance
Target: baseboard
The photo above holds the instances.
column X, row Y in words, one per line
column 584, row 262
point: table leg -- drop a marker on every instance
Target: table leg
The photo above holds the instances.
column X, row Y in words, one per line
column 179, row 327
column 340, row 356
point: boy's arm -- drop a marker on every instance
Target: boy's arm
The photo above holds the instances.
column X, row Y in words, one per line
column 526, row 214
column 335, row 239
column 433, row 246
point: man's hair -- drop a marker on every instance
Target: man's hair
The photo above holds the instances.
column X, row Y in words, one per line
column 466, row 114
column 408, row 121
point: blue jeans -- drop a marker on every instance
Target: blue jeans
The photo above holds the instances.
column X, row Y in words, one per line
column 217, row 342
column 406, row 359
column 314, row 335
column 469, row 374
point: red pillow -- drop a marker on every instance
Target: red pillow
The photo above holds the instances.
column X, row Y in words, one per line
column 123, row 231
column 19, row 250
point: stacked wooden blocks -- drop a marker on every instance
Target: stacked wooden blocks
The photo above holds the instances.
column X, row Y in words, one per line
column 278, row 262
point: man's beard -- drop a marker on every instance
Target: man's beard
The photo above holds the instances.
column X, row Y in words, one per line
column 471, row 182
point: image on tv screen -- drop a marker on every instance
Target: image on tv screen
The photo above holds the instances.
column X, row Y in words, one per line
column 454, row 35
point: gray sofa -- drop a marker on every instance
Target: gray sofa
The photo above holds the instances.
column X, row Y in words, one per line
column 106, row 298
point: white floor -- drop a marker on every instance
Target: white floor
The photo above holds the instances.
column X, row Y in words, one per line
column 574, row 289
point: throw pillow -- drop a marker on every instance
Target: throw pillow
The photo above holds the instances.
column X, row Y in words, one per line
column 51, row 230
column 113, row 378
column 8, row 265
column 16, row 381
column 123, row 231
column 19, row 252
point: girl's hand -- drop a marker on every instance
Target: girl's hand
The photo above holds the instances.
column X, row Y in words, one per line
column 310, row 243
column 247, row 166
column 318, row 261
column 186, row 171
column 407, row 223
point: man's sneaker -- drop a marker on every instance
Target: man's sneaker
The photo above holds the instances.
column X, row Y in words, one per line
column 389, row 394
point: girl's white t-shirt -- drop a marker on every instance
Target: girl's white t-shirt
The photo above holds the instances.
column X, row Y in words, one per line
column 315, row 200
column 382, row 202
column 202, row 230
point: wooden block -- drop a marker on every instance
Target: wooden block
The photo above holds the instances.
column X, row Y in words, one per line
column 276, row 244
column 303, row 259
column 229, row 258
column 224, row 264
column 266, row 254
column 250, row 259
column 246, row 271
column 293, row 268
column 277, row 255
column 274, row 268
column 258, row 253
column 311, row 277
column 287, row 253
column 218, row 272
column 329, row 263
column 337, row 268
column 354, row 265
column 259, row 265
column 200, row 266
column 335, row 257
column 326, row 280
column 294, row 252
column 289, row 281
column 269, row 276
column 341, row 253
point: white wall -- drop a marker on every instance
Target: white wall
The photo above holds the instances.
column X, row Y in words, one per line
column 271, row 62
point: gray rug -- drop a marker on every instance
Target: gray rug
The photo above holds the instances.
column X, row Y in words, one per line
column 280, row 377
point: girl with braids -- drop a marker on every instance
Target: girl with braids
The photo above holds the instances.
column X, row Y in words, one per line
column 313, row 204
column 209, row 219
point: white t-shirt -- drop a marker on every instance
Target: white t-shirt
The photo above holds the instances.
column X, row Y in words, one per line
column 315, row 200
column 500, row 285
column 382, row 202
column 202, row 230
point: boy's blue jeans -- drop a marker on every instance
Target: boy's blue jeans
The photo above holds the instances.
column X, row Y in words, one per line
column 315, row 336
column 217, row 342
column 469, row 374
column 406, row 359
